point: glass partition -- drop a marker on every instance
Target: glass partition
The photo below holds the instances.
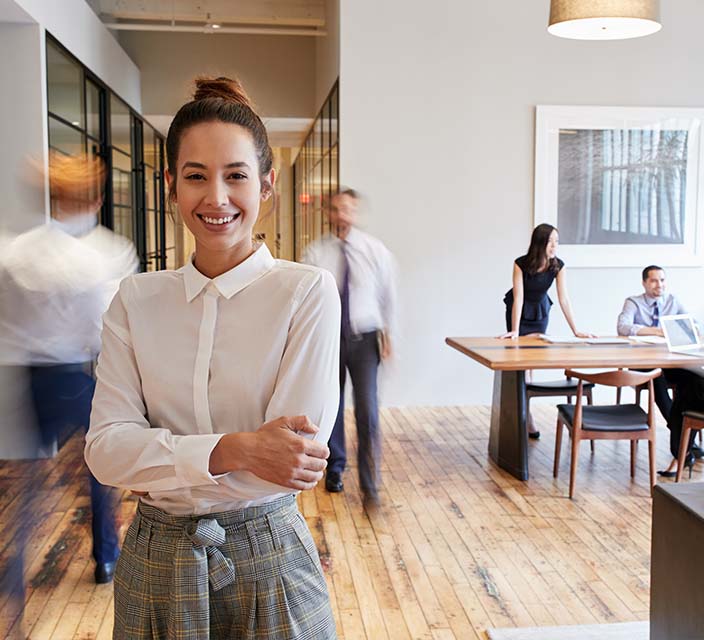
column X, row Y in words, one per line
column 93, row 109
column 65, row 139
column 153, row 170
column 316, row 171
column 123, row 214
column 120, row 125
column 85, row 116
column 65, row 86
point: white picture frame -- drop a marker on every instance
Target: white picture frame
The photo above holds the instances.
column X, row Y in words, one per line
column 609, row 196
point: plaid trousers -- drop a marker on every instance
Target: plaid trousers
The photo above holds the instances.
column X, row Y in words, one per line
column 248, row 574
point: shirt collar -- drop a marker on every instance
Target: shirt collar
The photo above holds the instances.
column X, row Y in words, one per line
column 232, row 281
column 76, row 225
column 353, row 236
column 650, row 299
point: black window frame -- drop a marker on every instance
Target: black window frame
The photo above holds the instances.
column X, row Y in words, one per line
column 105, row 150
column 310, row 221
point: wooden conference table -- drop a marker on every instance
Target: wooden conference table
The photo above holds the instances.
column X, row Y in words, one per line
column 508, row 437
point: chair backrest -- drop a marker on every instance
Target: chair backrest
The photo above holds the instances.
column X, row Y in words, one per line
column 617, row 378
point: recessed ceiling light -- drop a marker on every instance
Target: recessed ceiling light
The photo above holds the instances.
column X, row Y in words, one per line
column 75, row 123
column 214, row 26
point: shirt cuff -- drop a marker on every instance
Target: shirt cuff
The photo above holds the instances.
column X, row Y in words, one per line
column 192, row 456
column 636, row 328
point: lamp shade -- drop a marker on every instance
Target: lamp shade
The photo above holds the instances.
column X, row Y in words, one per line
column 604, row 19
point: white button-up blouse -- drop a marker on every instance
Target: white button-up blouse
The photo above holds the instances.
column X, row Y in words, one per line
column 186, row 359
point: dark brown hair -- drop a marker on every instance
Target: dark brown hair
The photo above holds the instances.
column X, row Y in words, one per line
column 218, row 100
column 535, row 256
column 649, row 268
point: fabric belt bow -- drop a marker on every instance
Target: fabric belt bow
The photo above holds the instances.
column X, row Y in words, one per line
column 207, row 536
column 198, row 562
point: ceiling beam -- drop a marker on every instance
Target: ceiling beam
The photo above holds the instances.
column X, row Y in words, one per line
column 221, row 28
column 282, row 13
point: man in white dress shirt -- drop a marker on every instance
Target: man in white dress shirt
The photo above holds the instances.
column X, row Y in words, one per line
column 56, row 281
column 364, row 271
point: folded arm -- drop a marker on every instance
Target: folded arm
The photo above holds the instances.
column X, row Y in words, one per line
column 122, row 448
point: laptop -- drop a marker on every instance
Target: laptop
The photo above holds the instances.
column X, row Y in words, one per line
column 681, row 334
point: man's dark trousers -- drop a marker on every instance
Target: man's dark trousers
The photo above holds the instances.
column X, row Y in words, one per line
column 62, row 396
column 689, row 396
column 677, row 377
column 360, row 356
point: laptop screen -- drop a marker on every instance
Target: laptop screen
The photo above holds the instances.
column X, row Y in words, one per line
column 680, row 331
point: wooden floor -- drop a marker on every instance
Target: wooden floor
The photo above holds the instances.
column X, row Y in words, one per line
column 458, row 546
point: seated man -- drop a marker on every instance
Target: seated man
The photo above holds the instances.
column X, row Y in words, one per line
column 641, row 317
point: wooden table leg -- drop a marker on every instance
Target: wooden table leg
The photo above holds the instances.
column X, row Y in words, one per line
column 508, row 437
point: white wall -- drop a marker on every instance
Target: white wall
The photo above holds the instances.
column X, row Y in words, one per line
column 437, row 128
column 23, row 114
column 24, row 130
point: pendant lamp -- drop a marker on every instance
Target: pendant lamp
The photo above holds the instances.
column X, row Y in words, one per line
column 604, row 19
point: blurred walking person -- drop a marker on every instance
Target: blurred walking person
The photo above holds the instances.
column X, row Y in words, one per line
column 56, row 281
column 364, row 271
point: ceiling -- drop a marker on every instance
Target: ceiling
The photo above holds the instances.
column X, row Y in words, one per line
column 283, row 17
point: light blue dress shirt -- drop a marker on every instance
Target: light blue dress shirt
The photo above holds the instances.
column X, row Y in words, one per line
column 638, row 312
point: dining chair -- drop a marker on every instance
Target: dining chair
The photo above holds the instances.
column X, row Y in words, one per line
column 566, row 387
column 551, row 388
column 643, row 387
column 607, row 422
column 691, row 421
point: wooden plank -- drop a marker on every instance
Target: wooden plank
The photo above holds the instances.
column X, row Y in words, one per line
column 456, row 547
column 97, row 615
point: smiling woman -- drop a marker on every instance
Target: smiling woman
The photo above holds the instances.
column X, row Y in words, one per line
column 218, row 187
column 219, row 171
column 217, row 391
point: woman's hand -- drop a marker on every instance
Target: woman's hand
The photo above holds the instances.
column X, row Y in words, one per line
column 581, row 334
column 509, row 334
column 275, row 452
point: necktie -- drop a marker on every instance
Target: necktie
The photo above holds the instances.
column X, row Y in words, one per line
column 656, row 314
column 345, row 293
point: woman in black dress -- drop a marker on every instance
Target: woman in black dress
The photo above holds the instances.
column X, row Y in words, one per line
column 527, row 303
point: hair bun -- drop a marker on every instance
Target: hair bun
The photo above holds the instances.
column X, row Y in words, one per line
column 223, row 88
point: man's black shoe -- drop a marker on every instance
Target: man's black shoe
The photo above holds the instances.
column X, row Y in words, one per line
column 697, row 452
column 333, row 482
column 104, row 571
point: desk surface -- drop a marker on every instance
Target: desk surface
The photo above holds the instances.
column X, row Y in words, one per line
column 534, row 353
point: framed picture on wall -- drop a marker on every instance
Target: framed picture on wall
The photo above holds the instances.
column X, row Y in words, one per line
column 623, row 185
